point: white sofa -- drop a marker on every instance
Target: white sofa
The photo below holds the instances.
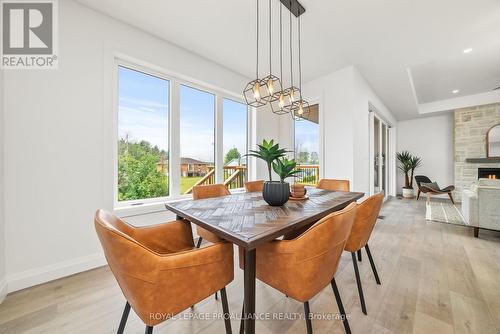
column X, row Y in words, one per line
column 481, row 205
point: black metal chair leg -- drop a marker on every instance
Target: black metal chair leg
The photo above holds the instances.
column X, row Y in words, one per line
column 242, row 322
column 358, row 281
column 359, row 255
column 149, row 330
column 345, row 322
column 123, row 322
column 372, row 263
column 225, row 309
column 200, row 239
column 307, row 313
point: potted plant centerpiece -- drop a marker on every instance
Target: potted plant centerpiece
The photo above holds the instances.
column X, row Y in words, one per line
column 275, row 193
column 407, row 163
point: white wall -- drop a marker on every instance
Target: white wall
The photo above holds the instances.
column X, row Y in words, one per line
column 430, row 138
column 3, row 283
column 59, row 141
column 344, row 97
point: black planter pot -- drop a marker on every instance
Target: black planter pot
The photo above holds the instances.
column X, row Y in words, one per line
column 276, row 193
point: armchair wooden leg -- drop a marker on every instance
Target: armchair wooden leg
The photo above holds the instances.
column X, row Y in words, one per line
column 225, row 309
column 123, row 322
column 358, row 281
column 451, row 197
column 242, row 322
column 345, row 322
column 476, row 232
column 418, row 194
column 307, row 313
column 372, row 263
column 359, row 255
column 149, row 330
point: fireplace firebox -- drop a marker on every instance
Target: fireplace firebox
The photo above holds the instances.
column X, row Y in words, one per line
column 488, row 173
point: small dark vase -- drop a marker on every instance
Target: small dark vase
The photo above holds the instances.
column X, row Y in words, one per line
column 276, row 193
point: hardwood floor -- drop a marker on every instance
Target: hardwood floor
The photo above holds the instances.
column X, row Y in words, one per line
column 436, row 278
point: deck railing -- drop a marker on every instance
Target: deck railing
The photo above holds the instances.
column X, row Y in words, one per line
column 234, row 177
column 309, row 174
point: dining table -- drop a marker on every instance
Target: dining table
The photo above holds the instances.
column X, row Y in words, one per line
column 246, row 220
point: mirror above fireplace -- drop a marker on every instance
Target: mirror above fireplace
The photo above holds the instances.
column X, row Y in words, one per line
column 493, row 142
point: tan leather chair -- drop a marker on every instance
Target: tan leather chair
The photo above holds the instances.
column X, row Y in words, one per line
column 158, row 269
column 253, row 186
column 362, row 228
column 208, row 191
column 302, row 267
column 332, row 184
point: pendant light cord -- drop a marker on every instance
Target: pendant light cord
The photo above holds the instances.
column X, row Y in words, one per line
column 257, row 35
column 300, row 62
column 291, row 56
column 281, row 42
column 270, row 39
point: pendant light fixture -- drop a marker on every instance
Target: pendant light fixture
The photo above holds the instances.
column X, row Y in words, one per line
column 292, row 93
column 278, row 105
column 300, row 108
column 272, row 83
column 253, row 90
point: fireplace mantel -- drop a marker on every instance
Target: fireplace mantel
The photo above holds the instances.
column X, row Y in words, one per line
column 483, row 160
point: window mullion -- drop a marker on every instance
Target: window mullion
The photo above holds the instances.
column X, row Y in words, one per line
column 219, row 148
column 175, row 142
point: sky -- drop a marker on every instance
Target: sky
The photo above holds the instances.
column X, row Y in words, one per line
column 307, row 136
column 143, row 115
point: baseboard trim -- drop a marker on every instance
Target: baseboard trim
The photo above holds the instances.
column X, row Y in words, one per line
column 3, row 290
column 54, row 271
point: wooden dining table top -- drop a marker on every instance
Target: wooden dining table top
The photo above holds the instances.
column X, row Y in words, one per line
column 246, row 220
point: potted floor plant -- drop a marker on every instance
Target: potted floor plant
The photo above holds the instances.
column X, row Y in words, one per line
column 275, row 193
column 407, row 163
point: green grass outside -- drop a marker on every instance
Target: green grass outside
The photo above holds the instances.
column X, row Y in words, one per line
column 188, row 182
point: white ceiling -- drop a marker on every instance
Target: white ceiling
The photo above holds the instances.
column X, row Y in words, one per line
column 382, row 38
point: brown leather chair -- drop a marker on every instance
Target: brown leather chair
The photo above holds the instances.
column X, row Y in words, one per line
column 302, row 267
column 366, row 217
column 253, row 186
column 208, row 191
column 332, row 184
column 158, row 269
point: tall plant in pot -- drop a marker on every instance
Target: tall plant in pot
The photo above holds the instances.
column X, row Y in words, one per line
column 275, row 193
column 407, row 163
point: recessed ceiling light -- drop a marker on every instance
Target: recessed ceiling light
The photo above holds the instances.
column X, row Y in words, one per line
column 455, row 91
column 468, row 50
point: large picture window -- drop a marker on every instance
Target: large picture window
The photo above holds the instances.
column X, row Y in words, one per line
column 235, row 143
column 142, row 135
column 307, row 147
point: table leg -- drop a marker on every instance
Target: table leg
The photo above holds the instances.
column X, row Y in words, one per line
column 249, row 281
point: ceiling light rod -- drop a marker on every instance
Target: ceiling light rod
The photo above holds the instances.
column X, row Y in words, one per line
column 294, row 7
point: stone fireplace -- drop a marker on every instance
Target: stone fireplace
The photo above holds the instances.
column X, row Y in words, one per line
column 471, row 126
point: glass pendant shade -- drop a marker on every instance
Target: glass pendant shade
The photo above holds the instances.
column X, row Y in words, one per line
column 253, row 93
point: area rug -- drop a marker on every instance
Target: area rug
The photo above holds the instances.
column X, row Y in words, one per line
column 444, row 212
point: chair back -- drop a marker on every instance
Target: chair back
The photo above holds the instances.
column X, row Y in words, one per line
column 209, row 191
column 317, row 253
column 366, row 217
column 254, row 186
column 334, row 185
column 133, row 265
column 422, row 179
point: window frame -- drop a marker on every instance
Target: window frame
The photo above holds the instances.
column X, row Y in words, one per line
column 173, row 122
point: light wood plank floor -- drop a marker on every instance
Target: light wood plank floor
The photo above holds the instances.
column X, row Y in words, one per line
column 436, row 278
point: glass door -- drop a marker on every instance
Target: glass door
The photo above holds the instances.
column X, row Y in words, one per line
column 380, row 149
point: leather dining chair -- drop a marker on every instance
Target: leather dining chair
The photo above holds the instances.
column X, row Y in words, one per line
column 158, row 269
column 366, row 217
column 332, row 184
column 302, row 267
column 253, row 186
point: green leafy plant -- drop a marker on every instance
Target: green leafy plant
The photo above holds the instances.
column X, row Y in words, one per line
column 407, row 163
column 268, row 151
column 285, row 168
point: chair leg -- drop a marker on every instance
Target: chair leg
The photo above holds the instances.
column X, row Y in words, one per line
column 307, row 313
column 345, row 322
column 451, row 197
column 200, row 239
column 418, row 194
column 359, row 255
column 358, row 281
column 242, row 322
column 225, row 309
column 149, row 330
column 476, row 232
column 123, row 322
column 372, row 263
